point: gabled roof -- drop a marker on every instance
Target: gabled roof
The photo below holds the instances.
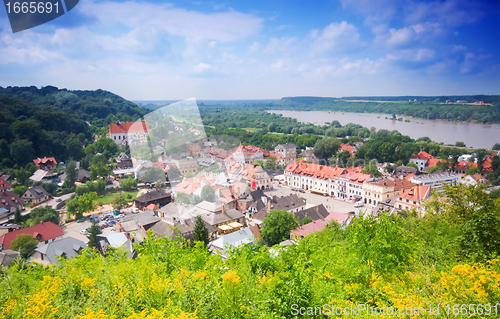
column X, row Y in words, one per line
column 129, row 127
column 316, row 212
column 422, row 155
column 303, row 231
column 4, row 185
column 142, row 219
column 237, row 238
column 68, row 246
column 37, row 192
column 122, row 157
column 287, row 202
column 152, row 195
column 44, row 161
column 338, row 217
column 432, row 162
column 44, row 231
column 347, row 147
column 311, row 170
column 219, row 218
column 416, row 193
column 325, row 172
column 8, row 200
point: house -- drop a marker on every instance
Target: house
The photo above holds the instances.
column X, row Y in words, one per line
column 254, row 174
column 248, row 154
column 308, row 155
column 9, row 227
column 185, row 164
column 156, row 197
column 342, row 218
column 421, row 159
column 413, row 198
column 131, row 132
column 306, row 230
column 405, row 171
column 238, row 238
column 45, row 232
column 379, row 190
column 474, row 179
column 124, row 161
column 35, row 195
column 4, row 186
column 50, row 253
column 436, row 180
column 123, row 242
column 291, row 203
column 315, row 212
column 46, row 163
column 139, row 223
column 184, row 228
column 41, row 175
column 195, row 152
column 10, row 201
column 224, row 220
column 6, row 177
column 7, row 256
column 285, row 153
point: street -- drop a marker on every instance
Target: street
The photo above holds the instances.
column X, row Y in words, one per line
column 331, row 204
column 52, row 203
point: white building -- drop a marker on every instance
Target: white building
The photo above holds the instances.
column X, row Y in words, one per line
column 133, row 132
column 436, row 180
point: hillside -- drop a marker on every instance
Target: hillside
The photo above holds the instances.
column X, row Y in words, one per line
column 397, row 262
column 88, row 105
column 423, row 107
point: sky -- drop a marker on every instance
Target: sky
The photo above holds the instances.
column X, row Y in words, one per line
column 158, row 50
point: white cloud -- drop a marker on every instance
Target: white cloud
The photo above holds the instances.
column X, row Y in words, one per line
column 336, row 37
column 254, row 47
column 285, row 44
column 202, row 67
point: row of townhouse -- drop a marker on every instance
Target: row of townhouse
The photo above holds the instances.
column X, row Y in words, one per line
column 346, row 183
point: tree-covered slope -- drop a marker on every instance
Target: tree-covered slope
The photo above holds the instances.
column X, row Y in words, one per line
column 88, row 105
column 28, row 131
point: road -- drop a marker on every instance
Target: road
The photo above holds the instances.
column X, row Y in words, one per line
column 52, row 203
column 331, row 204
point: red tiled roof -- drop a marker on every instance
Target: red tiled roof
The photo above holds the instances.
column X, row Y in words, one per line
column 194, row 148
column 338, row 217
column 46, row 230
column 463, row 166
column 291, row 167
column 487, row 165
column 422, row 155
column 129, row 127
column 477, row 177
column 360, row 178
column 347, row 147
column 307, row 229
column 4, row 185
column 160, row 165
column 416, row 193
column 325, row 172
column 45, row 161
column 152, row 207
column 432, row 162
column 311, row 170
column 409, row 176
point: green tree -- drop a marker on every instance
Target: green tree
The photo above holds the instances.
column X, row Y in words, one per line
column 154, row 174
column 326, row 148
column 182, row 198
column 207, row 193
column 460, row 144
column 22, row 152
column 24, row 244
column 270, row 163
column 200, row 231
column 481, row 156
column 43, row 214
column 99, row 167
column 119, row 203
column 306, row 220
column 496, row 147
column 173, row 174
column 411, row 164
column 92, row 235
column 472, row 170
column 81, row 204
column 128, row 183
column 277, row 226
column 18, row 218
column 71, row 174
column 74, row 147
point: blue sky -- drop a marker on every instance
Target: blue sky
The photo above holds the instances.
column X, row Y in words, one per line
column 153, row 50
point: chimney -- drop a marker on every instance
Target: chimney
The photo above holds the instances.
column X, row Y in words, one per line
column 268, row 205
column 317, row 208
column 223, row 209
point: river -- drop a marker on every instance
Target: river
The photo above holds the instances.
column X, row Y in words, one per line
column 472, row 134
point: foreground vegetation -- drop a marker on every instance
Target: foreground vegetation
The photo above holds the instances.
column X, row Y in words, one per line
column 391, row 261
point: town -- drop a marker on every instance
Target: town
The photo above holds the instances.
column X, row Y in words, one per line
column 230, row 193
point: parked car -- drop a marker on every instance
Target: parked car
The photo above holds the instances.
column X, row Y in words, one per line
column 358, row 204
column 302, row 191
column 84, row 232
column 120, row 216
column 80, row 220
column 104, row 225
column 293, row 189
column 58, row 200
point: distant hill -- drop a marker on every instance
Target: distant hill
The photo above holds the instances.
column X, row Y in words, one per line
column 87, row 105
column 474, row 108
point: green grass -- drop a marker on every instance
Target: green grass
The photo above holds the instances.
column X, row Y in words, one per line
column 109, row 198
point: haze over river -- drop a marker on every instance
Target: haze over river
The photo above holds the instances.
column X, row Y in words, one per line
column 472, row 134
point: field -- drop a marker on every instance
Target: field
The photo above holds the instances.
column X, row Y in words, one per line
column 107, row 199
